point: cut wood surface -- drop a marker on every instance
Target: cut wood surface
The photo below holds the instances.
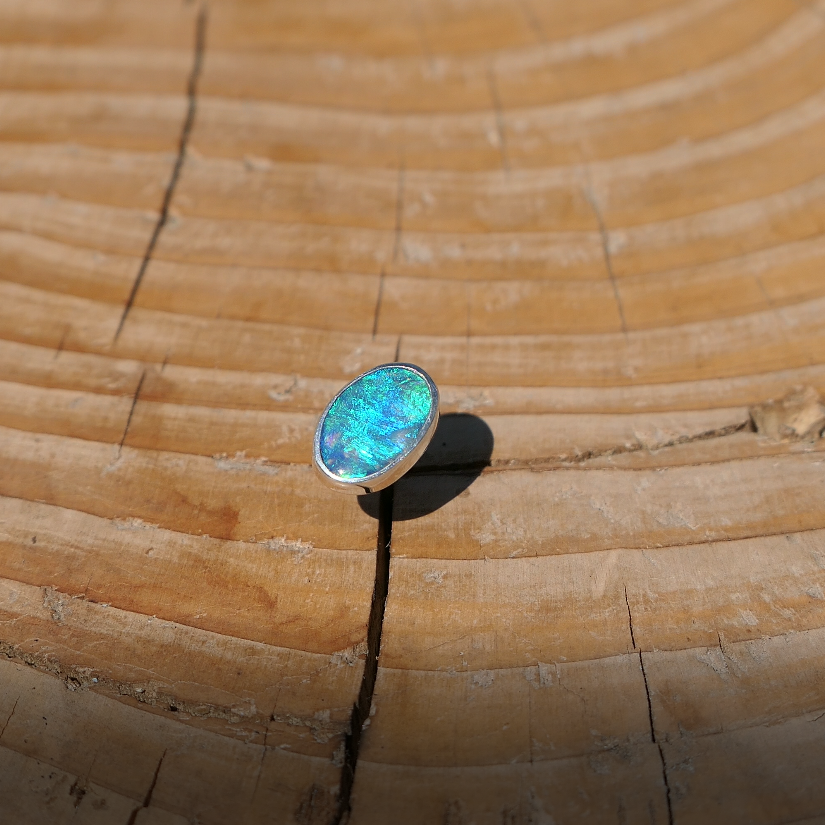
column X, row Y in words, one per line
column 600, row 595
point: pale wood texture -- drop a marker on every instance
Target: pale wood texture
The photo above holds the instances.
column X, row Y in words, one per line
column 598, row 225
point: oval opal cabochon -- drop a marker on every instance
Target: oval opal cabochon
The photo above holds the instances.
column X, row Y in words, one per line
column 375, row 421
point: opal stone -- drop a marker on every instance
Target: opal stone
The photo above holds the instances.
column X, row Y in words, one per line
column 378, row 418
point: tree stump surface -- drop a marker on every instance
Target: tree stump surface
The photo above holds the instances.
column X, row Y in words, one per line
column 600, row 227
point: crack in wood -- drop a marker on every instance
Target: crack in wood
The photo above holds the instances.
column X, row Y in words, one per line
column 658, row 744
column 667, row 784
column 6, row 723
column 163, row 217
column 649, row 702
column 62, row 342
column 131, row 413
column 361, row 709
column 629, row 619
column 500, row 465
column 590, row 197
column 260, row 766
column 314, row 800
column 148, row 798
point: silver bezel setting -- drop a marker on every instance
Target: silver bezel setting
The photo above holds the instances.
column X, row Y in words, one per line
column 399, row 465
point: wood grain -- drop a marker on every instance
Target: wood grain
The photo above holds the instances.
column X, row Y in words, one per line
column 598, row 225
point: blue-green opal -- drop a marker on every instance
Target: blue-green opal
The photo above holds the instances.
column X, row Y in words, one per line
column 378, row 418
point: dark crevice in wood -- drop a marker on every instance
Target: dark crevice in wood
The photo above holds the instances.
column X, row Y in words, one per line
column 131, row 412
column 573, row 462
column 361, row 709
column 163, row 217
column 647, row 694
column 62, row 343
column 667, row 785
column 260, row 767
column 148, row 798
column 630, row 620
column 6, row 723
column 658, row 744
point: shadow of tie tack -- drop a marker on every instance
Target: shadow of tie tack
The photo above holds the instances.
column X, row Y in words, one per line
column 460, row 449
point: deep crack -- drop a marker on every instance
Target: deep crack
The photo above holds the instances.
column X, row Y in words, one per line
column 667, row 785
column 6, row 723
column 649, row 703
column 658, row 744
column 147, row 800
column 163, row 217
column 630, row 625
column 131, row 412
column 541, row 463
column 361, row 709
column 62, row 342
